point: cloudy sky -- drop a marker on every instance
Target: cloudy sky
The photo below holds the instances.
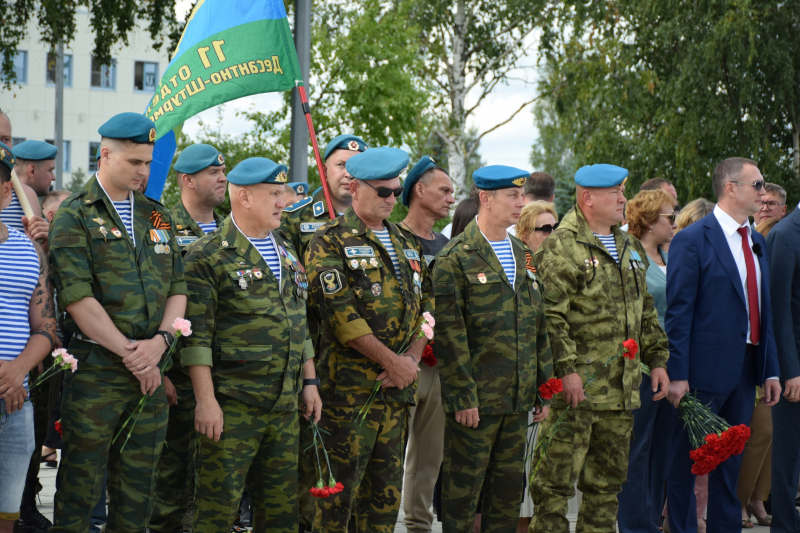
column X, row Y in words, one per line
column 508, row 145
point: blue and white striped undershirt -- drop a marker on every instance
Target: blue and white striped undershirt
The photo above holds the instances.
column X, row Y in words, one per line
column 208, row 227
column 12, row 215
column 17, row 255
column 506, row 257
column 611, row 246
column 268, row 250
column 386, row 241
column 126, row 215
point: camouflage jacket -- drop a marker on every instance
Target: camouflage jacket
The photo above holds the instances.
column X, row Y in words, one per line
column 593, row 305
column 186, row 230
column 300, row 220
column 355, row 292
column 491, row 339
column 250, row 331
column 93, row 256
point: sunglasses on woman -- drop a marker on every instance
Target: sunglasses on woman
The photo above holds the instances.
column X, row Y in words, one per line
column 386, row 192
column 670, row 216
column 547, row 229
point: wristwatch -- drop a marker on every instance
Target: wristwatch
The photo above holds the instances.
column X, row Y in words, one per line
column 168, row 337
column 313, row 381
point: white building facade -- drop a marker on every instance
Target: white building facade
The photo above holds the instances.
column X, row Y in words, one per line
column 92, row 93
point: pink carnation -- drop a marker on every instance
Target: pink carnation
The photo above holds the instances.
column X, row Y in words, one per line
column 183, row 326
column 60, row 352
column 429, row 318
column 70, row 360
column 427, row 330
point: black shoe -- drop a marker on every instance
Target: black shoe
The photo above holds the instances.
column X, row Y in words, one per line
column 30, row 519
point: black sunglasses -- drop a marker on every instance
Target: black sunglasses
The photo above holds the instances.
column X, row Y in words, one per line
column 547, row 229
column 386, row 192
column 670, row 216
column 757, row 185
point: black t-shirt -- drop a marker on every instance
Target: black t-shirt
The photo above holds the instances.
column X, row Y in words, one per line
column 431, row 247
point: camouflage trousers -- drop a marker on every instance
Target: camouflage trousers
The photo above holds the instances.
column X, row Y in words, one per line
column 489, row 457
column 175, row 484
column 591, row 448
column 368, row 460
column 259, row 448
column 97, row 400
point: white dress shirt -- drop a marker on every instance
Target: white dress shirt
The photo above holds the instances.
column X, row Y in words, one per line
column 730, row 228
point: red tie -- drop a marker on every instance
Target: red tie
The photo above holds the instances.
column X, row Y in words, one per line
column 752, row 288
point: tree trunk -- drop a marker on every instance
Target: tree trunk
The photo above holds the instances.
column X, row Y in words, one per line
column 454, row 132
column 796, row 148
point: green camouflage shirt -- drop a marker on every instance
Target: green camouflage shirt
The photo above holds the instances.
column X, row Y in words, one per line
column 593, row 305
column 300, row 220
column 185, row 228
column 251, row 332
column 355, row 292
column 93, row 256
column 491, row 339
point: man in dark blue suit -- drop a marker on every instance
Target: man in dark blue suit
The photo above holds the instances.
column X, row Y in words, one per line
column 719, row 325
column 784, row 277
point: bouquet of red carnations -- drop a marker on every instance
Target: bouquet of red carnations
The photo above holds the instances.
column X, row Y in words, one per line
column 321, row 490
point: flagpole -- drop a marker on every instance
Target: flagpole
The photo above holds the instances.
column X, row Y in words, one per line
column 307, row 111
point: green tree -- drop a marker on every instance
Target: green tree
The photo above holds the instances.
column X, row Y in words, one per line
column 552, row 153
column 77, row 181
column 670, row 88
column 111, row 24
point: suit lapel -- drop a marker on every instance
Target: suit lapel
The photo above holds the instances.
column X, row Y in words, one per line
column 719, row 242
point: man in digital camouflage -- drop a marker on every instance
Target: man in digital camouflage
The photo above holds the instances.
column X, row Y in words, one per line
column 492, row 351
column 370, row 287
column 302, row 219
column 119, row 276
column 248, row 357
column 595, row 295
column 200, row 170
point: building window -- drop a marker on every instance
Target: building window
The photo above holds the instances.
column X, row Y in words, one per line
column 17, row 140
column 20, row 67
column 145, row 76
column 64, row 153
column 51, row 70
column 93, row 147
column 104, row 76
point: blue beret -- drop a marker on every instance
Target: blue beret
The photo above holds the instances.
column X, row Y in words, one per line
column 35, row 151
column 130, row 126
column 496, row 177
column 300, row 187
column 6, row 156
column 345, row 142
column 257, row 170
column 196, row 157
column 423, row 165
column 377, row 164
column 600, row 176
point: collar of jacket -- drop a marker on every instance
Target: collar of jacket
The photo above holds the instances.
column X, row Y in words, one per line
column 93, row 192
column 181, row 216
column 473, row 239
column 351, row 222
column 575, row 221
column 231, row 238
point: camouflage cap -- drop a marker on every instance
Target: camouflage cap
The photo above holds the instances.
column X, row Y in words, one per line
column 257, row 170
column 129, row 126
column 496, row 177
column 35, row 151
column 345, row 142
column 197, row 157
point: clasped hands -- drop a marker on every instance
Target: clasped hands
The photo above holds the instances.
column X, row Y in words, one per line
column 143, row 361
column 401, row 373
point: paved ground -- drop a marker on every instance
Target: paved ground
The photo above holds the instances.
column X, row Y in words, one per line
column 48, row 478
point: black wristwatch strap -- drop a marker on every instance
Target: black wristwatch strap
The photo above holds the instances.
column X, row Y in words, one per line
column 168, row 337
column 314, row 381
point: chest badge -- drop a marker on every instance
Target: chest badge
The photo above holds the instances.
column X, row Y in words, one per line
column 104, row 231
column 257, row 273
column 482, row 277
column 117, row 233
column 376, row 289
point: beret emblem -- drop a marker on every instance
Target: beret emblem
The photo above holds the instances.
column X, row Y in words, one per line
column 152, row 135
column 220, row 159
column 519, row 182
column 281, row 177
column 353, row 145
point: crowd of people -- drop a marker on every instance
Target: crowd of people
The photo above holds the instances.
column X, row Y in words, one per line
column 333, row 360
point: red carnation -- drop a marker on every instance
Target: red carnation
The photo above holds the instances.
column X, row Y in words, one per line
column 427, row 355
column 335, row 489
column 629, row 349
column 58, row 428
column 552, row 387
column 319, row 493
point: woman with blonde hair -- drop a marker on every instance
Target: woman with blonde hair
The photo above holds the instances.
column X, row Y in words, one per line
column 651, row 219
column 536, row 222
column 693, row 211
